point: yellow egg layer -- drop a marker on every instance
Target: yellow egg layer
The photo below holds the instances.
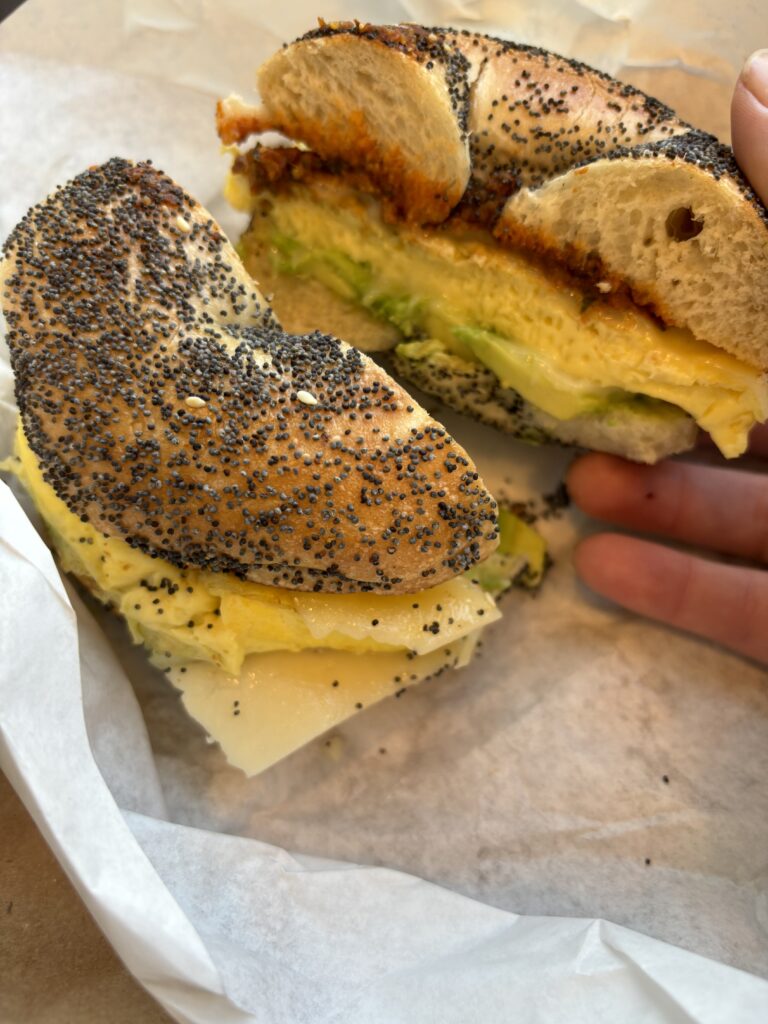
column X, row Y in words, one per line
column 185, row 615
column 490, row 305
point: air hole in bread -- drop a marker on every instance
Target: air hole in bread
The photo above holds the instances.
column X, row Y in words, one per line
column 682, row 225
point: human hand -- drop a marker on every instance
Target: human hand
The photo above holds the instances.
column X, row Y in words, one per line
column 723, row 510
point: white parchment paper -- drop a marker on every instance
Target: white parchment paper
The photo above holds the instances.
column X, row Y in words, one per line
column 532, row 783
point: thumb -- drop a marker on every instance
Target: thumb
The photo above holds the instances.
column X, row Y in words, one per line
column 749, row 122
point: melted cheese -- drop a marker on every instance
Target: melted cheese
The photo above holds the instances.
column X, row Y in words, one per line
column 559, row 354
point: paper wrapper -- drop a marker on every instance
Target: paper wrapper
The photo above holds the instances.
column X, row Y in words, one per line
column 588, row 765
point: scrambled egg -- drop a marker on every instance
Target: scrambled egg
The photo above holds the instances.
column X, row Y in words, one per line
column 192, row 615
column 490, row 305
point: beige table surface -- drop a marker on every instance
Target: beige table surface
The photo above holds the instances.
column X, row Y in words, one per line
column 55, row 965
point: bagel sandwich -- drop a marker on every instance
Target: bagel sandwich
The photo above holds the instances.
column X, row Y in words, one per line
column 542, row 247
column 290, row 535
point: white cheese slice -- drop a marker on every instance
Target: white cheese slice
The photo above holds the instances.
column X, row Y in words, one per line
column 282, row 700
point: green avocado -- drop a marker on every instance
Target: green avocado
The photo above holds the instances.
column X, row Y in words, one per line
column 532, row 377
column 521, row 558
column 344, row 276
column 429, row 329
column 348, row 279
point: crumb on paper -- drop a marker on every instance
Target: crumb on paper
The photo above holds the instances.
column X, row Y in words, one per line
column 333, row 747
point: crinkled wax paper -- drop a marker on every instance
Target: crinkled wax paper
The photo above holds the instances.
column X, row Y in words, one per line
column 587, row 766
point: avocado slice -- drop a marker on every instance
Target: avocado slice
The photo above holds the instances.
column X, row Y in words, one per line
column 533, row 377
column 521, row 558
column 429, row 330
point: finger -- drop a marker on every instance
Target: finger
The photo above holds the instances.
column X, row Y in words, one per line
column 724, row 603
column 708, row 506
column 749, row 122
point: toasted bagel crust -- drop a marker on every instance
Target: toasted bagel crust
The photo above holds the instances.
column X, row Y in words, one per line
column 392, row 100
column 169, row 408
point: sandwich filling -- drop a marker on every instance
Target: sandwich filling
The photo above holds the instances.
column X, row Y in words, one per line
column 455, row 291
column 188, row 615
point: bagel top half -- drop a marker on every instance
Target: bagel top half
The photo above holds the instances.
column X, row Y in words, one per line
column 552, row 157
column 167, row 407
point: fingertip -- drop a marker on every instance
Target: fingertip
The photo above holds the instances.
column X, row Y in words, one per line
column 599, row 484
column 754, row 75
column 583, row 551
column 725, row 603
column 637, row 574
column 749, row 121
column 582, row 476
column 599, row 563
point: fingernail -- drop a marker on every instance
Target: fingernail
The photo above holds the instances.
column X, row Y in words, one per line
column 754, row 75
